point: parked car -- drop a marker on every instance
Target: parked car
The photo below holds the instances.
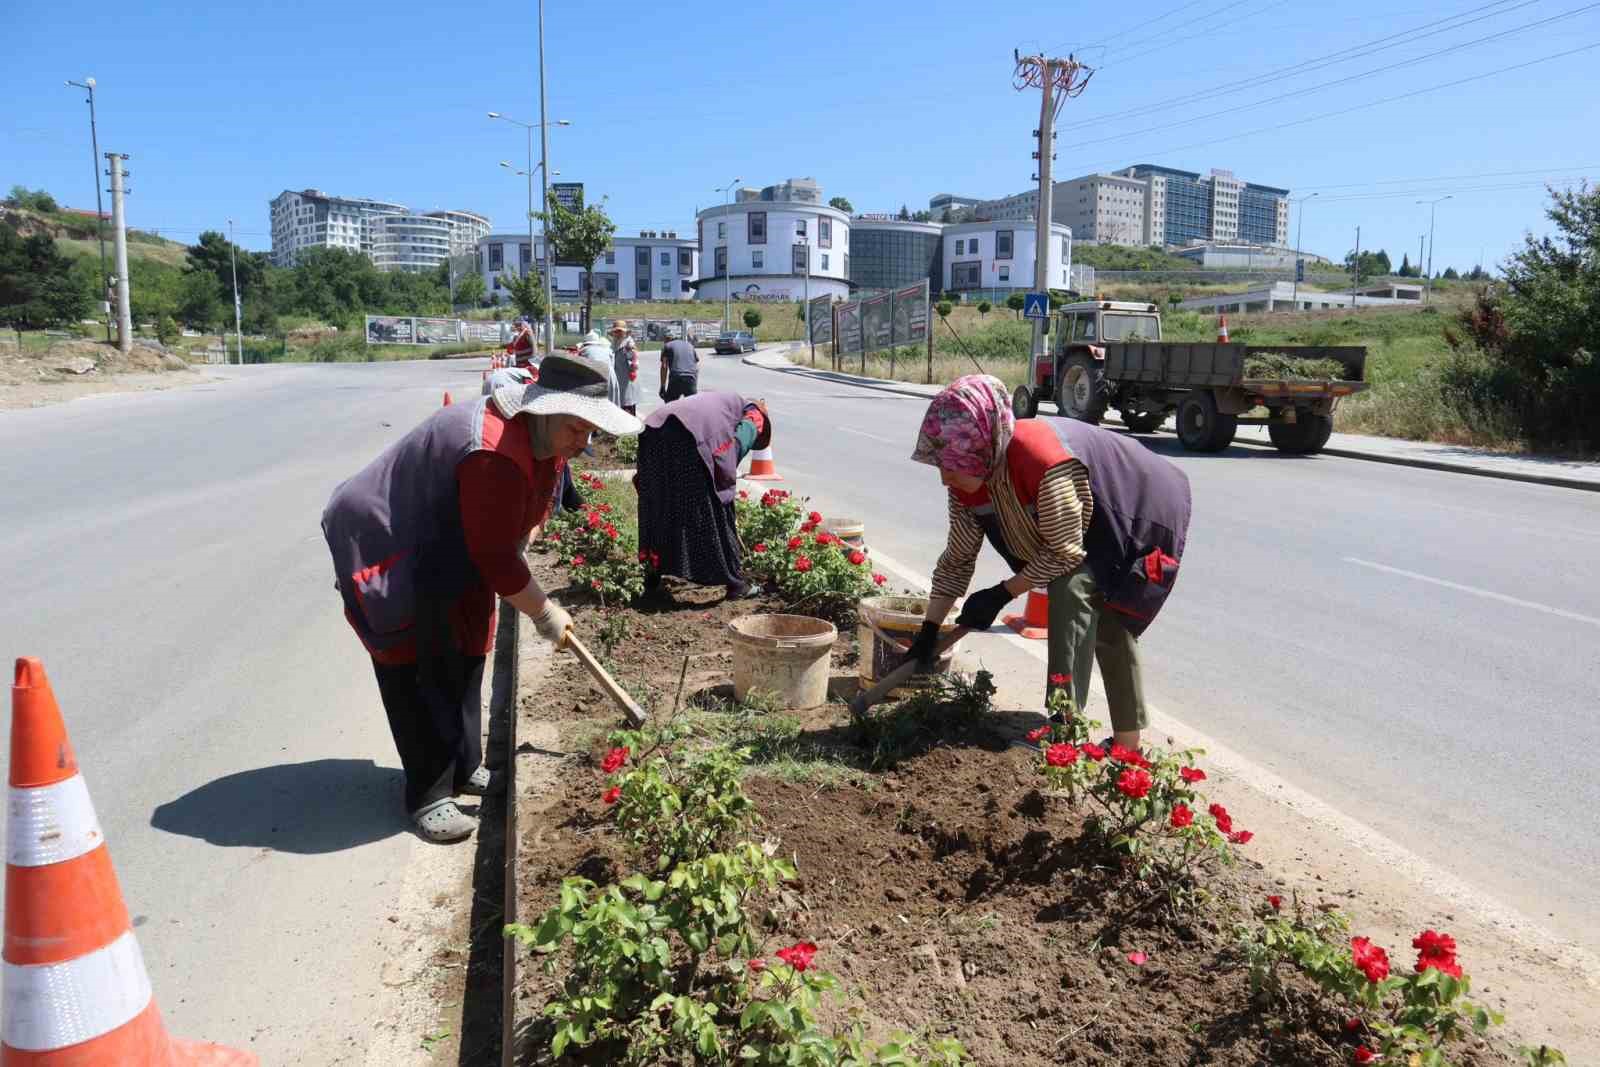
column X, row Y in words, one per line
column 734, row 342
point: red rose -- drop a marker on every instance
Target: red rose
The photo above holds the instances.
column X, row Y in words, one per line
column 611, row 532
column 655, row 558
column 612, row 795
column 756, row 965
column 1433, row 943
column 807, row 527
column 1134, row 782
column 577, row 561
column 1363, row 1054
column 1138, row 959
column 857, row 557
column 643, row 555
column 1276, row 902
column 1224, row 820
column 1181, row 816
column 743, row 495
column 1040, row 734
column 595, row 583
column 1443, row 965
column 1191, row 774
column 1060, row 679
column 614, row 759
column 1122, row 754
column 1094, row 752
column 802, row 564
column 798, row 955
column 555, row 537
column 1061, row 755
column 759, row 548
column 1370, row 960
column 815, row 518
column 594, row 520
column 824, row 539
column 794, row 543
column 1352, row 1024
column 1241, row 837
column 878, row 579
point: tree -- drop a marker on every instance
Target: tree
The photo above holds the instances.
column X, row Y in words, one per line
column 1451, row 275
column 842, row 204
column 984, row 307
column 944, row 307
column 38, row 285
column 1405, row 266
column 947, row 216
column 579, row 237
column 922, row 216
column 33, row 199
column 905, row 213
column 527, row 292
column 216, row 255
column 752, row 318
column 200, row 301
column 1015, row 302
column 335, row 285
column 470, row 289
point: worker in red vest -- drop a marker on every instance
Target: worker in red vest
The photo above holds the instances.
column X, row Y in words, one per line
column 521, row 349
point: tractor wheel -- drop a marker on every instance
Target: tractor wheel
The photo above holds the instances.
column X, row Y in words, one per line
column 1201, row 427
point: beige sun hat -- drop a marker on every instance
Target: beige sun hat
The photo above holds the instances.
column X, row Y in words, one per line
column 567, row 385
column 619, row 326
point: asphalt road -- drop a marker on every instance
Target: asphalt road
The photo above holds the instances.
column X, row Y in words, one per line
column 1416, row 648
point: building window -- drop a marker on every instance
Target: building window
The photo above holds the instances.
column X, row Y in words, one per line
column 666, row 287
column 1066, row 252
column 497, row 254
column 961, row 248
column 683, row 286
column 966, row 275
column 685, row 261
column 722, row 231
column 800, row 228
column 526, row 253
column 666, row 258
column 643, row 257
column 824, row 233
column 802, row 258
column 611, row 257
column 1005, row 272
column 644, row 286
column 758, row 259
column 1002, row 244
column 722, row 259
column 756, row 228
column 824, row 261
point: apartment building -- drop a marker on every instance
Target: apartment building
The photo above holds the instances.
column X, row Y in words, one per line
column 656, row 265
column 395, row 237
column 761, row 248
column 995, row 255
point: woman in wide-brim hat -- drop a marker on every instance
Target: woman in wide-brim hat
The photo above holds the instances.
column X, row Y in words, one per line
column 688, row 476
column 625, row 362
column 427, row 535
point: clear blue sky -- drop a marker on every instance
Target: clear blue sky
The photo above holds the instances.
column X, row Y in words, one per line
column 224, row 105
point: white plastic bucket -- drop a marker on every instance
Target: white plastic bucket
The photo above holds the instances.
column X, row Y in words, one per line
column 784, row 655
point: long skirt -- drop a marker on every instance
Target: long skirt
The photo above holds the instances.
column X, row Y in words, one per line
column 684, row 528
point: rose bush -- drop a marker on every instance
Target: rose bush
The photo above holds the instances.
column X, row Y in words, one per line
column 787, row 550
column 603, row 557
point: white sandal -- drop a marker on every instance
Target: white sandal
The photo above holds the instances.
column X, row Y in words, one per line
column 484, row 783
column 443, row 822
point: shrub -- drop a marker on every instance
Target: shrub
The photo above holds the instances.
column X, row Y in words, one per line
column 604, row 559
column 984, row 307
column 167, row 331
column 752, row 318
column 627, row 448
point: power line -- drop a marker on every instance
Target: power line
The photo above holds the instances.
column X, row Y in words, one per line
column 1131, row 29
column 1343, row 80
column 1316, row 63
column 1447, row 177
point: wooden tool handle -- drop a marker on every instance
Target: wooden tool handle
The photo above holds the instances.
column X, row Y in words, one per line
column 634, row 712
column 901, row 674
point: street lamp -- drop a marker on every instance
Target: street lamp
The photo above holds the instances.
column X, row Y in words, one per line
column 233, row 265
column 544, row 158
column 99, row 207
column 727, row 258
column 1433, row 207
column 1299, row 263
column 506, row 163
column 806, row 245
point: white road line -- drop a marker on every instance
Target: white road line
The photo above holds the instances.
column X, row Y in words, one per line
column 1486, row 594
column 863, row 433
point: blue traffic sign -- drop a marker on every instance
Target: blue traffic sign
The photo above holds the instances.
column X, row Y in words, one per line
column 1036, row 306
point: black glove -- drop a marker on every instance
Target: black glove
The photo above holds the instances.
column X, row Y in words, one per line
column 983, row 607
column 925, row 649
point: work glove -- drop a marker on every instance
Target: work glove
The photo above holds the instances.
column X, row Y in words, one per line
column 553, row 623
column 983, row 607
column 925, row 649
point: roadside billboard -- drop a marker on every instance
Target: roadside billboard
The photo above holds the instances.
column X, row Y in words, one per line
column 436, row 332
column 849, row 327
column 822, row 320
column 877, row 322
column 490, row 332
column 911, row 314
column 390, row 330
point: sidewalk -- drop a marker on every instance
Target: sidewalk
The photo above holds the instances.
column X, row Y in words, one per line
column 1457, row 459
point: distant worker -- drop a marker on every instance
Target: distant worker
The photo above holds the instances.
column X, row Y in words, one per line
column 427, row 535
column 689, row 457
column 625, row 359
column 680, row 370
column 522, row 348
column 1090, row 514
column 593, row 347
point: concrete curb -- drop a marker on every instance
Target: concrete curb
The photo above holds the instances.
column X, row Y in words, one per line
column 503, row 696
column 927, row 391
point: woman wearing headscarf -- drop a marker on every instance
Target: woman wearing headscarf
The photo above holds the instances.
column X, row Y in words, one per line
column 625, row 364
column 689, row 456
column 1091, row 515
column 423, row 540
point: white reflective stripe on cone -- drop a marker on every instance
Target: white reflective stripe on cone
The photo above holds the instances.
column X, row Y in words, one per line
column 54, row 1005
column 51, row 823
column 761, row 453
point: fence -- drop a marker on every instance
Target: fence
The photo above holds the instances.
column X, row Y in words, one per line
column 417, row 330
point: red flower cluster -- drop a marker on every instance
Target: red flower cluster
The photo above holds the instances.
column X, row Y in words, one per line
column 1060, row 679
column 596, row 584
column 798, row 955
column 825, row 539
column 611, row 532
column 577, row 561
column 612, row 795
column 595, row 520
column 1370, row 960
column 1240, row 837
column 1276, row 902
column 1224, row 820
column 759, row 548
column 802, row 563
column 592, row 481
column 857, row 557
column 773, row 497
column 756, row 965
column 1128, row 756
column 1191, row 774
column 815, row 518
column 1135, row 782
column 1181, row 816
column 744, row 495
column 614, row 759
column 1437, row 951
column 1138, row 959
column 795, row 542
column 1061, row 755
column 1363, row 1054
column 1094, row 752
column 878, row 579
column 1040, row 734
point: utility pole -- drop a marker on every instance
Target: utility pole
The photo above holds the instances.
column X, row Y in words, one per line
column 233, row 265
column 1355, row 273
column 1299, row 260
column 544, row 188
column 807, row 246
column 1421, row 237
column 1433, row 207
column 99, row 204
column 119, row 225
column 1058, row 80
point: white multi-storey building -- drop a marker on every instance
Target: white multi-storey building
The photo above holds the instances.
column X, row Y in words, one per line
column 391, row 234
column 758, row 249
column 652, row 266
column 994, row 255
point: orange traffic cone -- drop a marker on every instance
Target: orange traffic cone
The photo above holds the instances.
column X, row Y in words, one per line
column 76, row 990
column 1034, row 622
column 762, row 468
column 1222, row 328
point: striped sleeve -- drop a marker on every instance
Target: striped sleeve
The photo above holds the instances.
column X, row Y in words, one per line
column 1063, row 507
column 953, row 573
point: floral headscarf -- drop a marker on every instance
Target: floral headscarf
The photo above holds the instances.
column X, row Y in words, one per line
column 967, row 427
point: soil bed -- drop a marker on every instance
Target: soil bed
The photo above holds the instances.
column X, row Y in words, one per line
column 941, row 887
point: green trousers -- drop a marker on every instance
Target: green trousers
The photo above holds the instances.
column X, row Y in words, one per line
column 1081, row 631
